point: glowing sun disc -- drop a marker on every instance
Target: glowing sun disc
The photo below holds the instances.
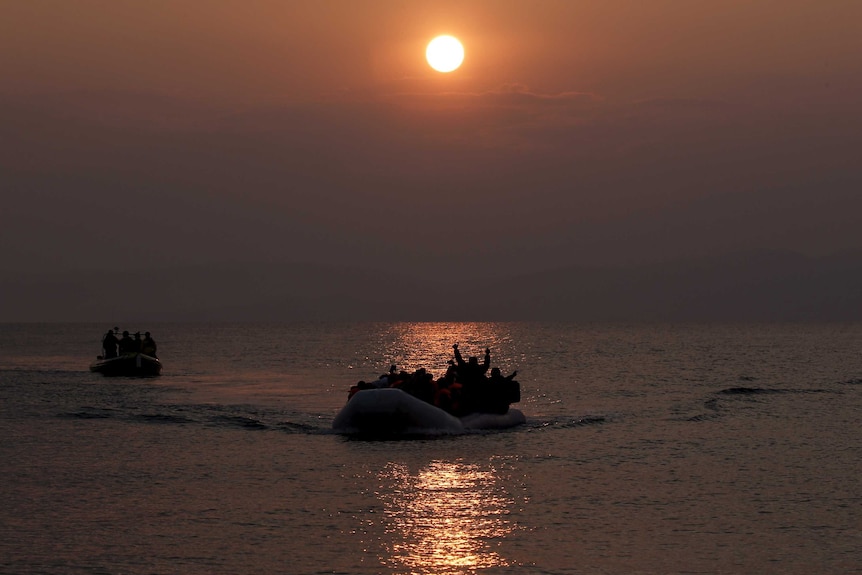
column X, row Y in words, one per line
column 444, row 53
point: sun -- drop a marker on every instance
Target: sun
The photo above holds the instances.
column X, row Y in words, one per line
column 444, row 53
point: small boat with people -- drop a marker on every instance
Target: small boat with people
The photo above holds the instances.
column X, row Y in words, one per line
column 127, row 356
column 129, row 365
column 403, row 403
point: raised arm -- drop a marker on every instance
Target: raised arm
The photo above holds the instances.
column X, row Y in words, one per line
column 458, row 359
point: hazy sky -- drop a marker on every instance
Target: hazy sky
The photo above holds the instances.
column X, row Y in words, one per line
column 162, row 133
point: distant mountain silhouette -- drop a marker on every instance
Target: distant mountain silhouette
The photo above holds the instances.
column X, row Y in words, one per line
column 761, row 286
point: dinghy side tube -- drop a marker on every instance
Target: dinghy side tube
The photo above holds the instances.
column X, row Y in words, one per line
column 389, row 410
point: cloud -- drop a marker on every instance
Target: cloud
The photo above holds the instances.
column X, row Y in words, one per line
column 495, row 112
column 507, row 95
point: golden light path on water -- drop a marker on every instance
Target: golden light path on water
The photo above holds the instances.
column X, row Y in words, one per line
column 429, row 345
column 446, row 518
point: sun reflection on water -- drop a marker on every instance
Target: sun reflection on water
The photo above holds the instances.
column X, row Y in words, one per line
column 445, row 519
column 429, row 344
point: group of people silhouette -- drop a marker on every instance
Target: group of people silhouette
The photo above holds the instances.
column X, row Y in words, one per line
column 114, row 347
column 463, row 389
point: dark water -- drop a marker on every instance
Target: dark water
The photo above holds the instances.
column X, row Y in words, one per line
column 648, row 449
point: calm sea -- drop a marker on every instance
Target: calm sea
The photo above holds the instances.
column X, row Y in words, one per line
column 648, row 449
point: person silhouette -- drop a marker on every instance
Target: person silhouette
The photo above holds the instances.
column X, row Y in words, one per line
column 109, row 344
column 497, row 376
column 127, row 344
column 471, row 371
column 148, row 346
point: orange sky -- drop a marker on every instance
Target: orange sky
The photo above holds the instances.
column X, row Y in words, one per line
column 288, row 50
column 593, row 131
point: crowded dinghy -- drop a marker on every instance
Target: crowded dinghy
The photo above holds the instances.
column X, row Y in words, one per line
column 402, row 403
